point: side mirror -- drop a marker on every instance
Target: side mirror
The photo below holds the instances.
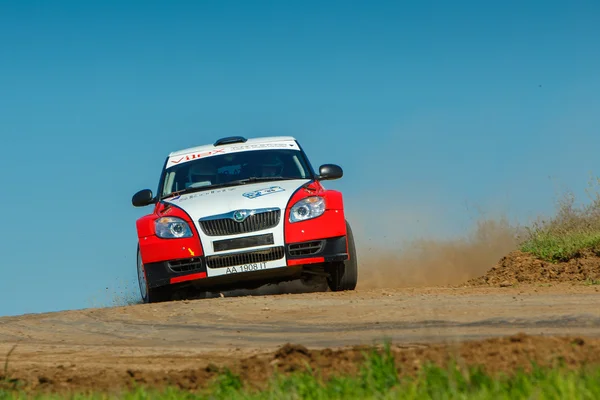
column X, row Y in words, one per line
column 330, row 172
column 142, row 198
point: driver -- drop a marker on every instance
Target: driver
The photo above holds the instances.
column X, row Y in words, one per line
column 201, row 174
column 272, row 166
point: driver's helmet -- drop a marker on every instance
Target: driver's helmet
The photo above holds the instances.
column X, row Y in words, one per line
column 272, row 165
column 201, row 173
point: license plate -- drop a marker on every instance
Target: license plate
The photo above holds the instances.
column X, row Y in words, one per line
column 246, row 268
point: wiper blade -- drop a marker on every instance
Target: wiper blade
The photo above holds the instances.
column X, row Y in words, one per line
column 179, row 192
column 200, row 188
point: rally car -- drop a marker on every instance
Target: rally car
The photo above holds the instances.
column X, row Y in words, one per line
column 239, row 214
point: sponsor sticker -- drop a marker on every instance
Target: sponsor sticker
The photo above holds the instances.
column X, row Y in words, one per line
column 287, row 144
column 263, row 192
column 196, row 156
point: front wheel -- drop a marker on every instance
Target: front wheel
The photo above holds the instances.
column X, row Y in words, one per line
column 149, row 295
column 344, row 275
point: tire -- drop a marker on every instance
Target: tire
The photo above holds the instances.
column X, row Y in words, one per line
column 344, row 275
column 149, row 295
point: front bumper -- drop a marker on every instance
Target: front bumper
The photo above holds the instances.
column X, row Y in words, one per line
column 193, row 270
column 317, row 251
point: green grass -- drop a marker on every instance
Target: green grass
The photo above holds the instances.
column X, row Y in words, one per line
column 556, row 247
column 379, row 379
column 573, row 230
column 591, row 282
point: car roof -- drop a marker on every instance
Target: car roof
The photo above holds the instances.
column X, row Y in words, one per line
column 258, row 140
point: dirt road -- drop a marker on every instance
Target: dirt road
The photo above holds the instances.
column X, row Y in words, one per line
column 185, row 334
column 317, row 319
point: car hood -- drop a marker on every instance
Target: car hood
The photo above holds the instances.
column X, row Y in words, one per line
column 250, row 196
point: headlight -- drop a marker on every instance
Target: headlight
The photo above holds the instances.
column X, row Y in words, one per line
column 172, row 228
column 308, row 208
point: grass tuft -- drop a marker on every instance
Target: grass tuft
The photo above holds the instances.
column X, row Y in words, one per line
column 5, row 375
column 6, row 383
column 379, row 372
column 573, row 230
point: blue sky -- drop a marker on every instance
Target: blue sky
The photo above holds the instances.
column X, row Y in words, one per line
column 430, row 108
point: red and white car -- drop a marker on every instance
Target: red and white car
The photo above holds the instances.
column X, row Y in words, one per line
column 239, row 214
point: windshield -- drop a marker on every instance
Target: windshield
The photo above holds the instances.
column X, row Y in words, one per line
column 223, row 169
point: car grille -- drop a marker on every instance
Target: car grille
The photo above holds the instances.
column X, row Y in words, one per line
column 186, row 265
column 230, row 260
column 227, row 226
column 306, row 249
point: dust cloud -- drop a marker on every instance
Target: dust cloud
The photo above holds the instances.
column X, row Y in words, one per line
column 427, row 262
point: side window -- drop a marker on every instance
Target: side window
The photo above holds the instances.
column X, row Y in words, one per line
column 168, row 184
column 299, row 167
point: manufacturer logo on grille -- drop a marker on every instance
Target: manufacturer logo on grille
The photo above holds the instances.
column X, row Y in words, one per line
column 240, row 215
